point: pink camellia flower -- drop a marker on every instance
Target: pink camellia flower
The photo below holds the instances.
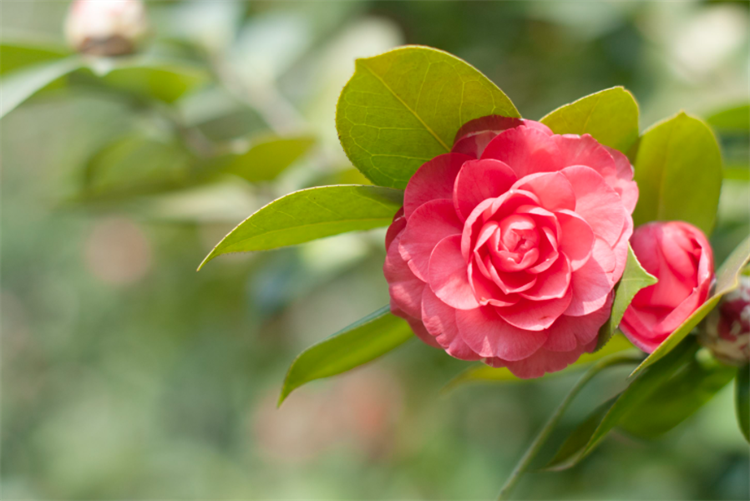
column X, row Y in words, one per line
column 726, row 331
column 679, row 255
column 507, row 249
column 106, row 27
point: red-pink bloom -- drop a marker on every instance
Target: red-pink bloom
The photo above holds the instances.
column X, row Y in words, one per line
column 679, row 255
column 508, row 248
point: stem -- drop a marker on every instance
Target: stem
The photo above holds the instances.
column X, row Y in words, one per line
column 541, row 438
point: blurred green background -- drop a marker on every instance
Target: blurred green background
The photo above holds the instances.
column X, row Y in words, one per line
column 127, row 375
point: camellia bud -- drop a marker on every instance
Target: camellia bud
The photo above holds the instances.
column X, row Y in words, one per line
column 726, row 331
column 106, row 27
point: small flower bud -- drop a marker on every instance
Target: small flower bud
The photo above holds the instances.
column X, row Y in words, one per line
column 106, row 27
column 726, row 331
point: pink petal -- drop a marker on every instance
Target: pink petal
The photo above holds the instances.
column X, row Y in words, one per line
column 624, row 184
column 526, row 150
column 396, row 227
column 540, row 363
column 429, row 224
column 597, row 202
column 572, row 331
column 576, row 238
column 440, row 321
column 591, row 287
column 479, row 180
column 585, row 150
column 489, row 123
column 535, row 315
column 552, row 284
column 486, row 290
column 434, row 180
column 605, row 256
column 405, row 288
column 490, row 336
column 552, row 188
column 448, row 277
column 620, row 250
column 417, row 327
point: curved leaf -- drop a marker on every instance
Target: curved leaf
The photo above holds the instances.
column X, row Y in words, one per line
column 15, row 54
column 361, row 342
column 610, row 116
column 310, row 214
column 267, row 158
column 679, row 172
column 486, row 374
column 664, row 395
column 735, row 119
column 634, row 278
column 742, row 400
column 17, row 86
column 726, row 281
column 405, row 106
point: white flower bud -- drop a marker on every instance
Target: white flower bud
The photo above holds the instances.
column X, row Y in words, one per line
column 726, row 330
column 106, row 27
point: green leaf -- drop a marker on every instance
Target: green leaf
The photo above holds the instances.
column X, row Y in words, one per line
column 579, row 438
column 678, row 171
column 678, row 398
column 267, row 158
column 165, row 80
column 634, row 278
column 405, row 106
column 486, row 374
column 610, row 116
column 587, row 436
column 361, row 342
column 17, row 86
column 731, row 120
column 135, row 163
column 726, row 281
column 310, row 214
column 742, row 400
column 15, row 54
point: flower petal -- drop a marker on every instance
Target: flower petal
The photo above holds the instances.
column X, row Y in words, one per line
column 551, row 284
column 448, row 275
column 576, row 238
column 597, row 202
column 427, row 225
column 568, row 332
column 404, row 287
column 479, row 180
column 591, row 286
column 536, row 315
column 440, row 321
column 552, row 188
column 526, row 150
column 434, row 180
column 624, row 184
column 490, row 336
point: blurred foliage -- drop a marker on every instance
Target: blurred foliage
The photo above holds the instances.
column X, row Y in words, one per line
column 127, row 375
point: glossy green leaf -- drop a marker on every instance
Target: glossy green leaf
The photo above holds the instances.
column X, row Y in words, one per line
column 15, row 54
column 610, row 116
column 677, row 398
column 588, row 435
column 726, row 281
column 310, row 214
column 164, row 80
column 742, row 400
column 17, row 86
column 731, row 120
column 361, row 342
column 678, row 170
column 486, row 374
column 405, row 106
column 267, row 158
column 634, row 278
